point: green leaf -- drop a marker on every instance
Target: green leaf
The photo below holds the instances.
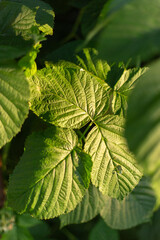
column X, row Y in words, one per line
column 13, row 46
column 150, row 230
column 131, row 32
column 68, row 97
column 17, row 233
column 52, row 175
column 25, row 220
column 78, row 3
column 87, row 60
column 91, row 15
column 14, row 96
column 90, row 206
column 143, row 120
column 114, row 169
column 131, row 211
column 102, row 232
column 122, row 89
column 26, row 18
column 66, row 52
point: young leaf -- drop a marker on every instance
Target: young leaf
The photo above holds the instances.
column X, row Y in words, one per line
column 131, row 211
column 102, row 232
column 114, row 169
column 87, row 60
column 52, row 176
column 90, row 206
column 122, row 89
column 131, row 32
column 67, row 97
column 14, row 96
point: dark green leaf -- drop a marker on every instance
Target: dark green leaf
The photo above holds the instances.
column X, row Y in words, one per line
column 90, row 206
column 136, row 208
column 131, row 32
column 102, row 232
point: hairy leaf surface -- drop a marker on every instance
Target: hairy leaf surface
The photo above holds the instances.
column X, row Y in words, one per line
column 52, row 176
column 14, row 96
column 90, row 206
column 67, row 97
column 114, row 169
column 131, row 211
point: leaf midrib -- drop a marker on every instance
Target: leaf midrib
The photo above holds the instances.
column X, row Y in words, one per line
column 30, row 187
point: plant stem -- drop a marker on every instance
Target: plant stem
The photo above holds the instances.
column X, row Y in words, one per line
column 85, row 131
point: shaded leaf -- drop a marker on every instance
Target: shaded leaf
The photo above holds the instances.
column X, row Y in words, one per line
column 17, row 233
column 136, row 208
column 90, row 206
column 102, row 232
column 26, row 17
column 143, row 120
column 131, row 32
column 91, row 15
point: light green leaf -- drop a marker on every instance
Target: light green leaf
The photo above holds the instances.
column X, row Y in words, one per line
column 17, row 233
column 90, row 206
column 52, row 176
column 86, row 60
column 25, row 18
column 68, row 97
column 14, row 96
column 89, row 60
column 131, row 32
column 135, row 209
column 143, row 120
column 114, row 169
column 123, row 87
column 102, row 232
